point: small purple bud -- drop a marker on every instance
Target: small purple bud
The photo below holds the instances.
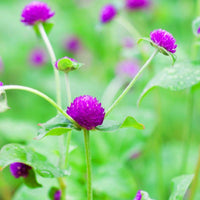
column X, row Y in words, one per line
column 36, row 11
column 128, row 42
column 137, row 4
column 108, row 12
column 127, row 68
column 37, row 57
column 198, row 31
column 19, row 169
column 1, row 83
column 86, row 111
column 72, row 44
column 164, row 39
column 57, row 195
column 138, row 195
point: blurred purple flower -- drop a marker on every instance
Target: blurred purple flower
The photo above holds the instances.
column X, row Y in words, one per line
column 86, row 111
column 128, row 42
column 1, row 65
column 138, row 195
column 127, row 68
column 57, row 195
column 1, row 83
column 36, row 11
column 135, row 155
column 198, row 30
column 137, row 4
column 72, row 44
column 18, row 169
column 37, row 57
column 108, row 12
column 164, row 39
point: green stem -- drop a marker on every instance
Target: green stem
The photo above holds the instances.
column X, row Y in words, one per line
column 88, row 163
column 44, row 96
column 195, row 179
column 187, row 132
column 68, row 88
column 132, row 82
column 53, row 60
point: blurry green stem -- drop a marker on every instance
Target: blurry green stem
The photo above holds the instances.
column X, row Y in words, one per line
column 53, row 60
column 88, row 163
column 62, row 184
column 31, row 90
column 68, row 88
column 187, row 132
column 132, row 82
column 196, row 178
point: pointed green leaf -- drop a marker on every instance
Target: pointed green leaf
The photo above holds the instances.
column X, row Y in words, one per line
column 3, row 101
column 11, row 153
column 47, row 27
column 131, row 122
column 181, row 185
column 30, row 180
column 175, row 78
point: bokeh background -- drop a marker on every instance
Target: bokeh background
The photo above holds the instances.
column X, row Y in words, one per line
column 123, row 161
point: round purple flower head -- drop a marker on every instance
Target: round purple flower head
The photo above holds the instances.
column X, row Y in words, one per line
column 127, row 68
column 108, row 12
column 138, row 195
column 19, row 169
column 137, row 4
column 57, row 195
column 72, row 44
column 1, row 65
column 37, row 57
column 36, row 11
column 198, row 31
column 164, row 39
column 86, row 111
column 1, row 84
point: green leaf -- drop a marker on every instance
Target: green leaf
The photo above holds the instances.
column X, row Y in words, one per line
column 3, row 101
column 131, row 122
column 30, row 180
column 175, row 78
column 47, row 27
column 109, row 125
column 11, row 153
column 181, row 185
column 56, row 126
column 53, row 132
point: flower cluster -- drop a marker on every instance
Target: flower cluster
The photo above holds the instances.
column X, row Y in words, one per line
column 164, row 39
column 18, row 169
column 86, row 111
column 36, row 11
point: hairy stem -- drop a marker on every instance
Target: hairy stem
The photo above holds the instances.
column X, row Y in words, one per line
column 53, row 60
column 88, row 163
column 132, row 82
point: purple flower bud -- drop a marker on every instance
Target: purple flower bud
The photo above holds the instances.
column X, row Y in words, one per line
column 36, row 11
column 108, row 12
column 1, row 84
column 198, row 31
column 65, row 64
column 57, row 195
column 1, row 65
column 19, row 169
column 138, row 195
column 164, row 39
column 127, row 68
column 86, row 111
column 72, row 44
column 37, row 57
column 137, row 4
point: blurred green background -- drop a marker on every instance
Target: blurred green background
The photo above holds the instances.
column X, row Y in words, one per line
column 117, row 174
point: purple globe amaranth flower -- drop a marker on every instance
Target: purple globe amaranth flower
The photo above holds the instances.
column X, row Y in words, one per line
column 1, row 83
column 137, row 4
column 36, row 11
column 72, row 44
column 57, row 195
column 127, row 68
column 66, row 64
column 138, row 195
column 164, row 39
column 108, row 12
column 19, row 169
column 37, row 57
column 198, row 31
column 86, row 111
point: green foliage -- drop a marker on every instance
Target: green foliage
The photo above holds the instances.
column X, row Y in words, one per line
column 11, row 153
column 30, row 180
column 181, row 185
column 3, row 101
column 179, row 77
column 47, row 27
